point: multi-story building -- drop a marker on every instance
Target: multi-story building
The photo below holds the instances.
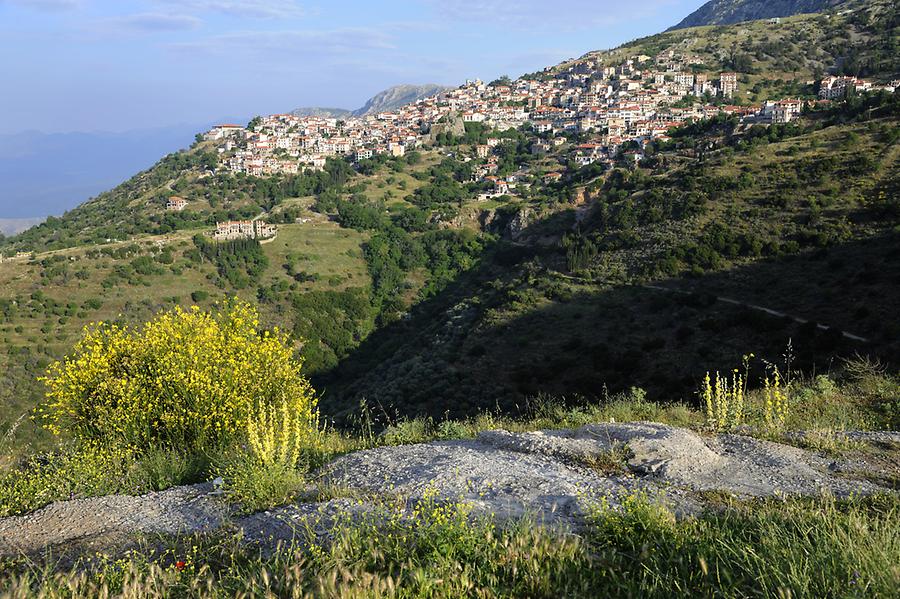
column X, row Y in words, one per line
column 244, row 229
column 176, row 204
column 728, row 84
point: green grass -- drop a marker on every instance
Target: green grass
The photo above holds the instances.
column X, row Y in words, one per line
column 794, row 548
column 437, row 547
column 321, row 248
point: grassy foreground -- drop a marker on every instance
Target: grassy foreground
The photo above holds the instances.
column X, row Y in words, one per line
column 773, row 548
column 797, row 548
column 142, row 423
column 862, row 397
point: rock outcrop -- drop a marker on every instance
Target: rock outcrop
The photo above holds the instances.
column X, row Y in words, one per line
column 453, row 125
column 388, row 100
column 548, row 474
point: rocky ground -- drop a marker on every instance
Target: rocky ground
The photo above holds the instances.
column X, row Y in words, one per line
column 548, row 474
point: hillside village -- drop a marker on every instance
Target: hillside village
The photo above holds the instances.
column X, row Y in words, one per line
column 628, row 105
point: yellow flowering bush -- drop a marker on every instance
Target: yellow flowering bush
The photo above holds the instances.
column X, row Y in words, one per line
column 190, row 380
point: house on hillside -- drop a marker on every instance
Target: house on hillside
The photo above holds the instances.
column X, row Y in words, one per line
column 500, row 186
column 176, row 204
column 221, row 131
column 540, row 147
column 552, row 177
column 836, row 88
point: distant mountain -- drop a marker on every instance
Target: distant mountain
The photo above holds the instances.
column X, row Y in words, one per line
column 335, row 113
column 14, row 226
column 390, row 99
column 726, row 12
column 399, row 96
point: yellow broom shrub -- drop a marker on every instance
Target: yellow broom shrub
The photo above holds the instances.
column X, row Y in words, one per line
column 190, row 380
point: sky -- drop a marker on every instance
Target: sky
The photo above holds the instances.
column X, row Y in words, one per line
column 118, row 65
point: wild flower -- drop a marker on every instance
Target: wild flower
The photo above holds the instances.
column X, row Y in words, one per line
column 776, row 393
column 724, row 397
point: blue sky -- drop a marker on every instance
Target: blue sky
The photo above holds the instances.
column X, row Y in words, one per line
column 83, row 65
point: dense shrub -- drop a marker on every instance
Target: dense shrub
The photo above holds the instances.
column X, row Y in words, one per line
column 186, row 380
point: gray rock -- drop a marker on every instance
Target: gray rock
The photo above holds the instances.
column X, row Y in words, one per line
column 544, row 474
column 107, row 520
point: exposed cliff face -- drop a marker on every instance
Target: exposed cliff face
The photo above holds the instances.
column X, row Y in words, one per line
column 397, row 97
column 726, row 12
column 390, row 99
column 454, row 125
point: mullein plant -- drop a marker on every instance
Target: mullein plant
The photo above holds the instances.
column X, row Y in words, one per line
column 776, row 393
column 724, row 397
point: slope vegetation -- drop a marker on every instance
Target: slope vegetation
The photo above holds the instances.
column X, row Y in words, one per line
column 727, row 12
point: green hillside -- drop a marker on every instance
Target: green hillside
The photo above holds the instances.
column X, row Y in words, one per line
column 801, row 220
column 727, row 12
column 401, row 289
column 312, row 280
column 784, row 59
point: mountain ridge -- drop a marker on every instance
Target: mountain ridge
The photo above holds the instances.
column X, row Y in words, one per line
column 729, row 12
column 391, row 98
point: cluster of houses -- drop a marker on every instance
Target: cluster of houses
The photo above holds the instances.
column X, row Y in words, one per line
column 614, row 100
column 837, row 88
column 627, row 100
column 285, row 143
column 244, row 229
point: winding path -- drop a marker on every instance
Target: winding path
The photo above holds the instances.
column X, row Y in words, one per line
column 758, row 308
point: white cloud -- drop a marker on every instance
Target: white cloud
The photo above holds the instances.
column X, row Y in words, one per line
column 256, row 9
column 281, row 46
column 45, row 5
column 151, row 22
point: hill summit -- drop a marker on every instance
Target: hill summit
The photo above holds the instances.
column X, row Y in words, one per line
column 727, row 12
column 392, row 98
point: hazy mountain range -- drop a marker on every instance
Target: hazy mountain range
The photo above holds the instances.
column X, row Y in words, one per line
column 13, row 226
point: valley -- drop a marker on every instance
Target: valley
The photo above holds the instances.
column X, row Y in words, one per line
column 503, row 275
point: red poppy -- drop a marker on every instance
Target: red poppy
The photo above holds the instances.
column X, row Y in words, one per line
column 180, row 565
